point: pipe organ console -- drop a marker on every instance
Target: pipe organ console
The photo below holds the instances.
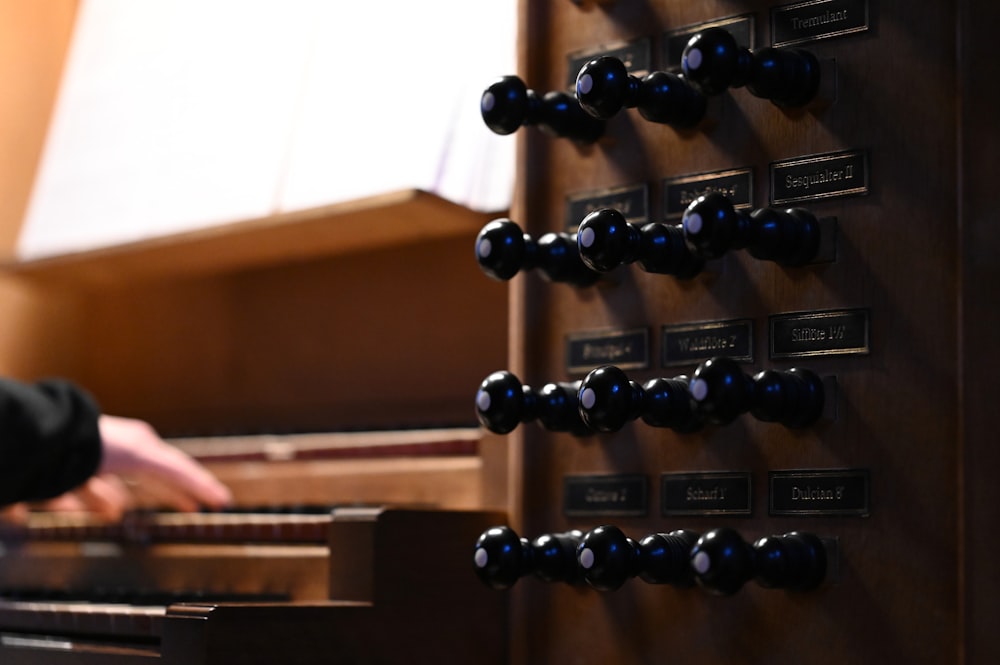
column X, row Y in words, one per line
column 776, row 455
column 747, row 413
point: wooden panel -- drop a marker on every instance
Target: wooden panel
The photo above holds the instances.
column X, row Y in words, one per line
column 34, row 38
column 906, row 252
column 405, row 217
column 383, row 339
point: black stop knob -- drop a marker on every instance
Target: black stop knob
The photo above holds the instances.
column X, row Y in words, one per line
column 503, row 402
column 795, row 561
column 608, row 558
column 608, row 400
column 665, row 558
column 606, row 240
column 503, row 250
column 713, row 62
column 712, row 227
column 501, row 247
column 722, row 391
column 722, row 561
column 794, row 398
column 508, row 104
column 501, row 557
column 604, row 87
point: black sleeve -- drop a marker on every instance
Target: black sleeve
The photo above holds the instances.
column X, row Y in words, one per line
column 49, row 439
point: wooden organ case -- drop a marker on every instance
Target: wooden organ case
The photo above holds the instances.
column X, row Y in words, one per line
column 893, row 314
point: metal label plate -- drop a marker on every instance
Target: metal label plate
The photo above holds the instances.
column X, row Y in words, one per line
column 706, row 493
column 678, row 193
column 690, row 344
column 830, row 333
column 626, row 349
column 631, row 200
column 740, row 27
column 606, row 495
column 840, row 492
column 817, row 177
column 637, row 56
column 817, row 19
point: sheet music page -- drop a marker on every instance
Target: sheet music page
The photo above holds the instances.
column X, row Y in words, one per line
column 175, row 115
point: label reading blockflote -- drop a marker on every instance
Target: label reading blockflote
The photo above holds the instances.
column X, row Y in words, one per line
column 831, row 333
column 631, row 201
column 734, row 184
column 707, row 493
column 845, row 493
column 817, row 19
column 816, row 177
column 623, row 495
column 627, row 349
column 690, row 344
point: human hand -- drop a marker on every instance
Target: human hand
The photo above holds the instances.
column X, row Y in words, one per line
column 137, row 466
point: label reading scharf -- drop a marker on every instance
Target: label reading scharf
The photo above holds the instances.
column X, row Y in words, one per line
column 690, row 344
column 706, row 493
column 840, row 492
column 626, row 349
column 832, row 333
column 734, row 184
column 623, row 495
column 816, row 177
column 632, row 201
column 817, row 19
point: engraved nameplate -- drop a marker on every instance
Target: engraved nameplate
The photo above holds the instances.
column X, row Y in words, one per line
column 817, row 19
column 740, row 27
column 628, row 349
column 709, row 493
column 637, row 56
column 679, row 193
column 690, row 344
column 618, row 495
column 803, row 334
column 820, row 177
column 632, row 201
column 838, row 492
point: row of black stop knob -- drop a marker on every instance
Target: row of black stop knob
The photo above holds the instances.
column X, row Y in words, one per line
column 710, row 227
column 712, row 63
column 716, row 393
column 719, row 560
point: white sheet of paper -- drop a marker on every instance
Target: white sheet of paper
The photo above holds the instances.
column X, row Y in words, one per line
column 181, row 114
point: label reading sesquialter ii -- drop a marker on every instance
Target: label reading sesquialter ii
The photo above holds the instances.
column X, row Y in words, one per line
column 816, row 177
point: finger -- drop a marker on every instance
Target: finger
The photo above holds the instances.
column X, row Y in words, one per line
column 16, row 513
column 105, row 497
column 153, row 492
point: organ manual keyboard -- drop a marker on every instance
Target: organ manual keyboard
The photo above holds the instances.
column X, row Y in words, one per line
column 288, row 582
